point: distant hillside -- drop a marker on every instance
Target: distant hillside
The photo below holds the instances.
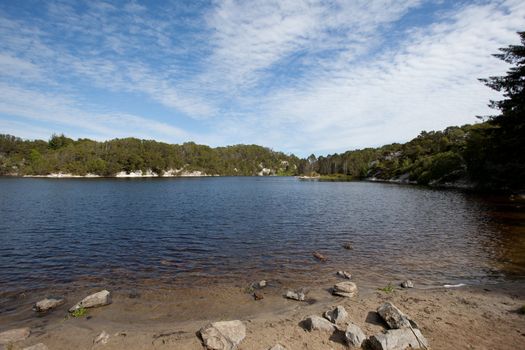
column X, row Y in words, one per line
column 82, row 157
column 436, row 158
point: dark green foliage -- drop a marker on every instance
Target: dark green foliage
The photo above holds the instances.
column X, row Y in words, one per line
column 501, row 160
column 83, row 156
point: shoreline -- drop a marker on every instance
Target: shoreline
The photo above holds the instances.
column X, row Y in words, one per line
column 449, row 318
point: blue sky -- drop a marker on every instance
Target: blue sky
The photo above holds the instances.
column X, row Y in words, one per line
column 296, row 76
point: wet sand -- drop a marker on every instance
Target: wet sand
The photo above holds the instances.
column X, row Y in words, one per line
column 472, row 317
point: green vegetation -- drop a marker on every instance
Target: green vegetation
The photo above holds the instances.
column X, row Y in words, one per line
column 489, row 155
column 79, row 312
column 336, row 177
column 84, row 156
column 387, row 289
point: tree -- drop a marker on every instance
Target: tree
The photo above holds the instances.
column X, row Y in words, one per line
column 504, row 163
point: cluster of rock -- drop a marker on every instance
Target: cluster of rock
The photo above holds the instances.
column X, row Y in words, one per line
column 335, row 320
column 12, row 336
column 403, row 332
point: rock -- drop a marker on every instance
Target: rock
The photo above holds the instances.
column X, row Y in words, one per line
column 345, row 289
column 14, row 335
column 224, row 335
column 277, row 347
column 314, row 322
column 47, row 304
column 319, row 256
column 394, row 317
column 348, row 246
column 39, row 346
column 398, row 339
column 354, row 336
column 258, row 296
column 407, row 284
column 262, row 284
column 98, row 299
column 337, row 315
column 102, row 338
column 344, row 274
column 295, row 295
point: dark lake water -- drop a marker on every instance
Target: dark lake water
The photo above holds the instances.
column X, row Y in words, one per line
column 163, row 232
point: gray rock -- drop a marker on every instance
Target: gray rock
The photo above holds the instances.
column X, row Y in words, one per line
column 354, row 336
column 344, row 274
column 345, row 289
column 295, row 295
column 262, row 284
column 98, row 299
column 317, row 323
column 39, row 346
column 398, row 339
column 224, row 335
column 47, row 304
column 102, row 338
column 394, row 317
column 407, row 284
column 337, row 315
column 277, row 347
column 14, row 335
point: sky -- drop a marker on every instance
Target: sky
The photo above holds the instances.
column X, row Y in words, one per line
column 297, row 76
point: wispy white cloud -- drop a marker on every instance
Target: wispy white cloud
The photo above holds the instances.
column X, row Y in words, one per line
column 299, row 76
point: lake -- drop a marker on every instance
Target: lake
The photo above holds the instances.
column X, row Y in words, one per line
column 151, row 233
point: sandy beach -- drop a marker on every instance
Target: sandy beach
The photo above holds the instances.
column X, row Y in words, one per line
column 471, row 317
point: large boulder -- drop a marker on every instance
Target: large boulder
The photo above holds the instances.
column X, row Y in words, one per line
column 354, row 336
column 316, row 323
column 345, row 289
column 47, row 304
column 398, row 339
column 14, row 335
column 394, row 317
column 223, row 335
column 336, row 315
column 98, row 299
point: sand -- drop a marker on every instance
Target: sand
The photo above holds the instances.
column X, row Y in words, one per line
column 480, row 317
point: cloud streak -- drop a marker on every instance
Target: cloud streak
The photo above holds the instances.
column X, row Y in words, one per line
column 299, row 76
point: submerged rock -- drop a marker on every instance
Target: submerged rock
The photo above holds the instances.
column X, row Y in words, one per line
column 47, row 304
column 299, row 296
column 345, row 289
column 314, row 322
column 407, row 284
column 14, row 335
column 394, row 317
column 344, row 274
column 398, row 339
column 336, row 315
column 94, row 300
column 224, row 335
column 348, row 246
column 319, row 256
column 354, row 336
